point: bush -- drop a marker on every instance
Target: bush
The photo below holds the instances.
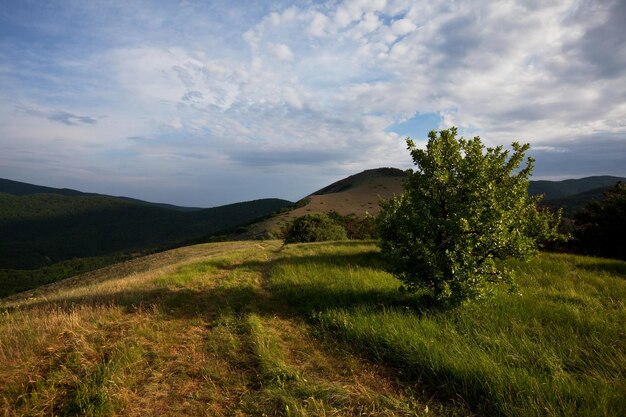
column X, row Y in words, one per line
column 314, row 227
column 463, row 208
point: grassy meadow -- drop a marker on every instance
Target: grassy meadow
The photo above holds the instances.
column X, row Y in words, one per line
column 255, row 328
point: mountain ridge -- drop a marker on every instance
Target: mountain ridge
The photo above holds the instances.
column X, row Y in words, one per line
column 569, row 187
column 23, row 188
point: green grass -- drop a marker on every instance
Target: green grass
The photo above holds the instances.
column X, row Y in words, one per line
column 253, row 328
column 556, row 349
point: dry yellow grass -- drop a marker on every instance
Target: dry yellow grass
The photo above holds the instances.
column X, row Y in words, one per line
column 190, row 331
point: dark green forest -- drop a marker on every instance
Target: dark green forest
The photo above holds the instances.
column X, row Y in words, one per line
column 48, row 236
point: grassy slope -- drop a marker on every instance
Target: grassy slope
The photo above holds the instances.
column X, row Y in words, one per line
column 190, row 331
column 248, row 328
column 358, row 195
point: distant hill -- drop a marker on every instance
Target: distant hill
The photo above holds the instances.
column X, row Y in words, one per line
column 573, row 194
column 22, row 188
column 360, row 193
column 367, row 179
column 41, row 229
column 557, row 190
column 47, row 233
column 573, row 203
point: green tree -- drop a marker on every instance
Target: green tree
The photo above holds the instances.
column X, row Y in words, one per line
column 601, row 226
column 464, row 208
column 314, row 227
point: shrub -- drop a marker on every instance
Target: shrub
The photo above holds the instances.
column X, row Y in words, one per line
column 314, row 227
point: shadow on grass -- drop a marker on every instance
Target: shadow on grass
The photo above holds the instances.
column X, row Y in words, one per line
column 284, row 299
column 177, row 303
column 307, row 298
column 613, row 267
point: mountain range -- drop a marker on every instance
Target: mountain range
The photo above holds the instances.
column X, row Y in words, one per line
column 50, row 233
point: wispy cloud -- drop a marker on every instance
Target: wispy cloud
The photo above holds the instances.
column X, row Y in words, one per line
column 60, row 116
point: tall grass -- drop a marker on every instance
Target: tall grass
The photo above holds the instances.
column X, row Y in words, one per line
column 559, row 348
column 187, row 332
column 312, row 330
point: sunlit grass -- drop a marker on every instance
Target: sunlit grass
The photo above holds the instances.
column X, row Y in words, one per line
column 556, row 349
column 244, row 328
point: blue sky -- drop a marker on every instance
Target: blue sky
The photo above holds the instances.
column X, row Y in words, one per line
column 210, row 102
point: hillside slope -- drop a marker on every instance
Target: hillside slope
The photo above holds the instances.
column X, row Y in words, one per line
column 253, row 328
column 47, row 234
column 41, row 229
column 357, row 195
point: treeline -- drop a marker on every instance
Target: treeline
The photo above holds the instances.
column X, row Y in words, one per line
column 17, row 280
column 599, row 229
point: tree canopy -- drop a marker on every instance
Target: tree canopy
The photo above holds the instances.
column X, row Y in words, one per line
column 463, row 208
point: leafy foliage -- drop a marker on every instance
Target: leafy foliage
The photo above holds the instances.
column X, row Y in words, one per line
column 601, row 226
column 314, row 227
column 463, row 209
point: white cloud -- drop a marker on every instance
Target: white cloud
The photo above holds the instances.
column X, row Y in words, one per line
column 402, row 27
column 318, row 24
column 280, row 51
column 320, row 84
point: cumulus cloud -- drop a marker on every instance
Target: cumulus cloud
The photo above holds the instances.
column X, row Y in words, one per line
column 280, row 51
column 402, row 26
column 322, row 85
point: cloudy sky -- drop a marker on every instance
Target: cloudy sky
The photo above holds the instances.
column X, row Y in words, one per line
column 211, row 102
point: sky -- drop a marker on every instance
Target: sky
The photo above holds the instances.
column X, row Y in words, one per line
column 203, row 103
